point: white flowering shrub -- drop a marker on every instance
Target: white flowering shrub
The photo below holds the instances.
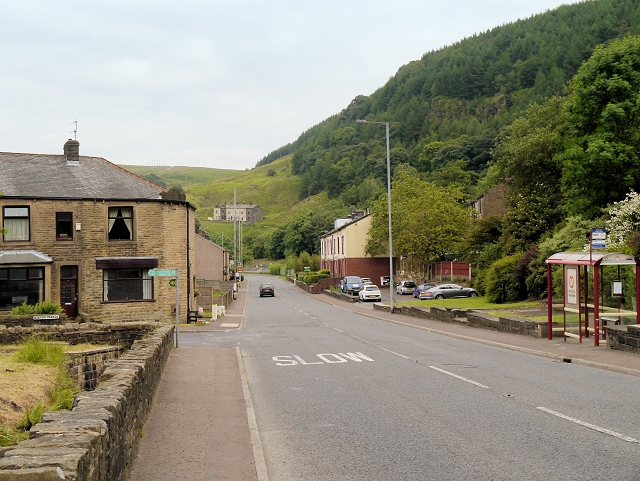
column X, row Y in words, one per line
column 623, row 223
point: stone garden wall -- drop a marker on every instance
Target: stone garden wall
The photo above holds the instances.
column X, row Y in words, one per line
column 98, row 439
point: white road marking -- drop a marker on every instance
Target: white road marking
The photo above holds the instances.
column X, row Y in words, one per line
column 459, row 377
column 393, row 352
column 591, row 426
column 327, row 358
column 227, row 324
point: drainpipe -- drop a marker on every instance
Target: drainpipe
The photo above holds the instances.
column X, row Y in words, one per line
column 188, row 262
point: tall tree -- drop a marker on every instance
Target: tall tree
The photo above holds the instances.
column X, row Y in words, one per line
column 524, row 161
column 600, row 162
column 427, row 221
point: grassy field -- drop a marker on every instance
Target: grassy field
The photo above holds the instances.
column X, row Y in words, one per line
column 468, row 303
column 183, row 175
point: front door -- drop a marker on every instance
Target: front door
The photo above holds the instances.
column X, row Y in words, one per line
column 69, row 290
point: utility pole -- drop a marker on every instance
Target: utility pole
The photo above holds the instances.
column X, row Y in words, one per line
column 235, row 263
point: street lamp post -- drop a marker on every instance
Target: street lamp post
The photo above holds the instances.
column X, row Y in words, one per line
column 386, row 124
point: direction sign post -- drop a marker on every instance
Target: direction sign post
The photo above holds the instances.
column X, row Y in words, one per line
column 170, row 273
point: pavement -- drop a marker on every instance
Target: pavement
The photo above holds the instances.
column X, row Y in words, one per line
column 202, row 425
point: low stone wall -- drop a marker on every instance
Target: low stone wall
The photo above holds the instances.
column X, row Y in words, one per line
column 98, row 439
column 318, row 288
column 27, row 320
column 477, row 319
column 341, row 295
column 624, row 338
column 86, row 367
column 123, row 333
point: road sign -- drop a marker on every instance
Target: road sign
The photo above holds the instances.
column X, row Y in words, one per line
column 598, row 238
column 163, row 272
column 172, row 282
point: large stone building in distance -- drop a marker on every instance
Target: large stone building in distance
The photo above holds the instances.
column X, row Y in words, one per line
column 243, row 212
column 84, row 232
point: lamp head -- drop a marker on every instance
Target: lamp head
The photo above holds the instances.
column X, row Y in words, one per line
column 360, row 121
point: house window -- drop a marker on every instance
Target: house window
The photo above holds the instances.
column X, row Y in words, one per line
column 22, row 284
column 64, row 226
column 127, row 285
column 120, row 223
column 16, row 223
column 343, row 244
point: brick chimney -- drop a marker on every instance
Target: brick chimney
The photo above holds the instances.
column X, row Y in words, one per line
column 72, row 150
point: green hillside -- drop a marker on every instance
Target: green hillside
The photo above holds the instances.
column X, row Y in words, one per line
column 179, row 175
column 452, row 103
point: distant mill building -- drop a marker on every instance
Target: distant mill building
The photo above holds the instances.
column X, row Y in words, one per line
column 243, row 212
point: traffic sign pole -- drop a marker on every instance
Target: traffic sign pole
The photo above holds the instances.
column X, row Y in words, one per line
column 170, row 273
column 177, row 309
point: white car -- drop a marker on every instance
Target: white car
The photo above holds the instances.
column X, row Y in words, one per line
column 370, row 292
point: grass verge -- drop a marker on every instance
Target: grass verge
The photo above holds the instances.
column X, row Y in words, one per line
column 27, row 385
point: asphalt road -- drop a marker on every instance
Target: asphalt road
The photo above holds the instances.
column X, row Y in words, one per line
column 342, row 396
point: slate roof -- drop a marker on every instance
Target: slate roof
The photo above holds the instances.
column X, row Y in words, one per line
column 52, row 177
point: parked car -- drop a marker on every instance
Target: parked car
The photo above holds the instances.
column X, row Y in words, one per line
column 351, row 285
column 405, row 287
column 370, row 292
column 267, row 289
column 366, row 280
column 447, row 291
column 421, row 287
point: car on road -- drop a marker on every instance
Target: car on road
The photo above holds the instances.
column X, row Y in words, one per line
column 370, row 292
column 351, row 285
column 366, row 280
column 405, row 287
column 448, row 291
column 267, row 289
column 421, row 287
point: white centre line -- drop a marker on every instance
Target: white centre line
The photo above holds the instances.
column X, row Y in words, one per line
column 591, row 426
column 393, row 352
column 459, row 377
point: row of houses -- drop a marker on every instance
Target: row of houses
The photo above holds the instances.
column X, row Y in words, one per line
column 342, row 252
column 84, row 232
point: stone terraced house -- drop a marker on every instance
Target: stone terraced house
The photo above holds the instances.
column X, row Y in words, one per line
column 84, row 232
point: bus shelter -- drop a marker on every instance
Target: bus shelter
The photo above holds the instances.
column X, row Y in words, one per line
column 573, row 300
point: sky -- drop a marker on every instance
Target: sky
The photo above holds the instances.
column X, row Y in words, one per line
column 215, row 83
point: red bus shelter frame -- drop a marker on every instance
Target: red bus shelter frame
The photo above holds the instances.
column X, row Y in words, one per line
column 596, row 260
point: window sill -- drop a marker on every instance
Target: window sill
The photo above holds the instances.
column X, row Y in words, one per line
column 127, row 301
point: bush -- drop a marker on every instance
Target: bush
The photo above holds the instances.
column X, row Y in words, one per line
column 23, row 308
column 275, row 269
column 46, row 307
column 501, row 283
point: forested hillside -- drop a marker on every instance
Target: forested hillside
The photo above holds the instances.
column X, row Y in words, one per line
column 451, row 104
column 547, row 106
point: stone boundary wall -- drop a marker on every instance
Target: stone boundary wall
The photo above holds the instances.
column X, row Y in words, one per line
column 624, row 338
column 98, row 439
column 477, row 319
column 86, row 367
column 341, row 295
column 28, row 320
column 123, row 333
column 320, row 287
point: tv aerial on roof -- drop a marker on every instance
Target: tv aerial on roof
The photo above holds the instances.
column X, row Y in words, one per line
column 75, row 129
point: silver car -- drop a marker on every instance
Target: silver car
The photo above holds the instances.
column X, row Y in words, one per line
column 447, row 291
column 405, row 287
